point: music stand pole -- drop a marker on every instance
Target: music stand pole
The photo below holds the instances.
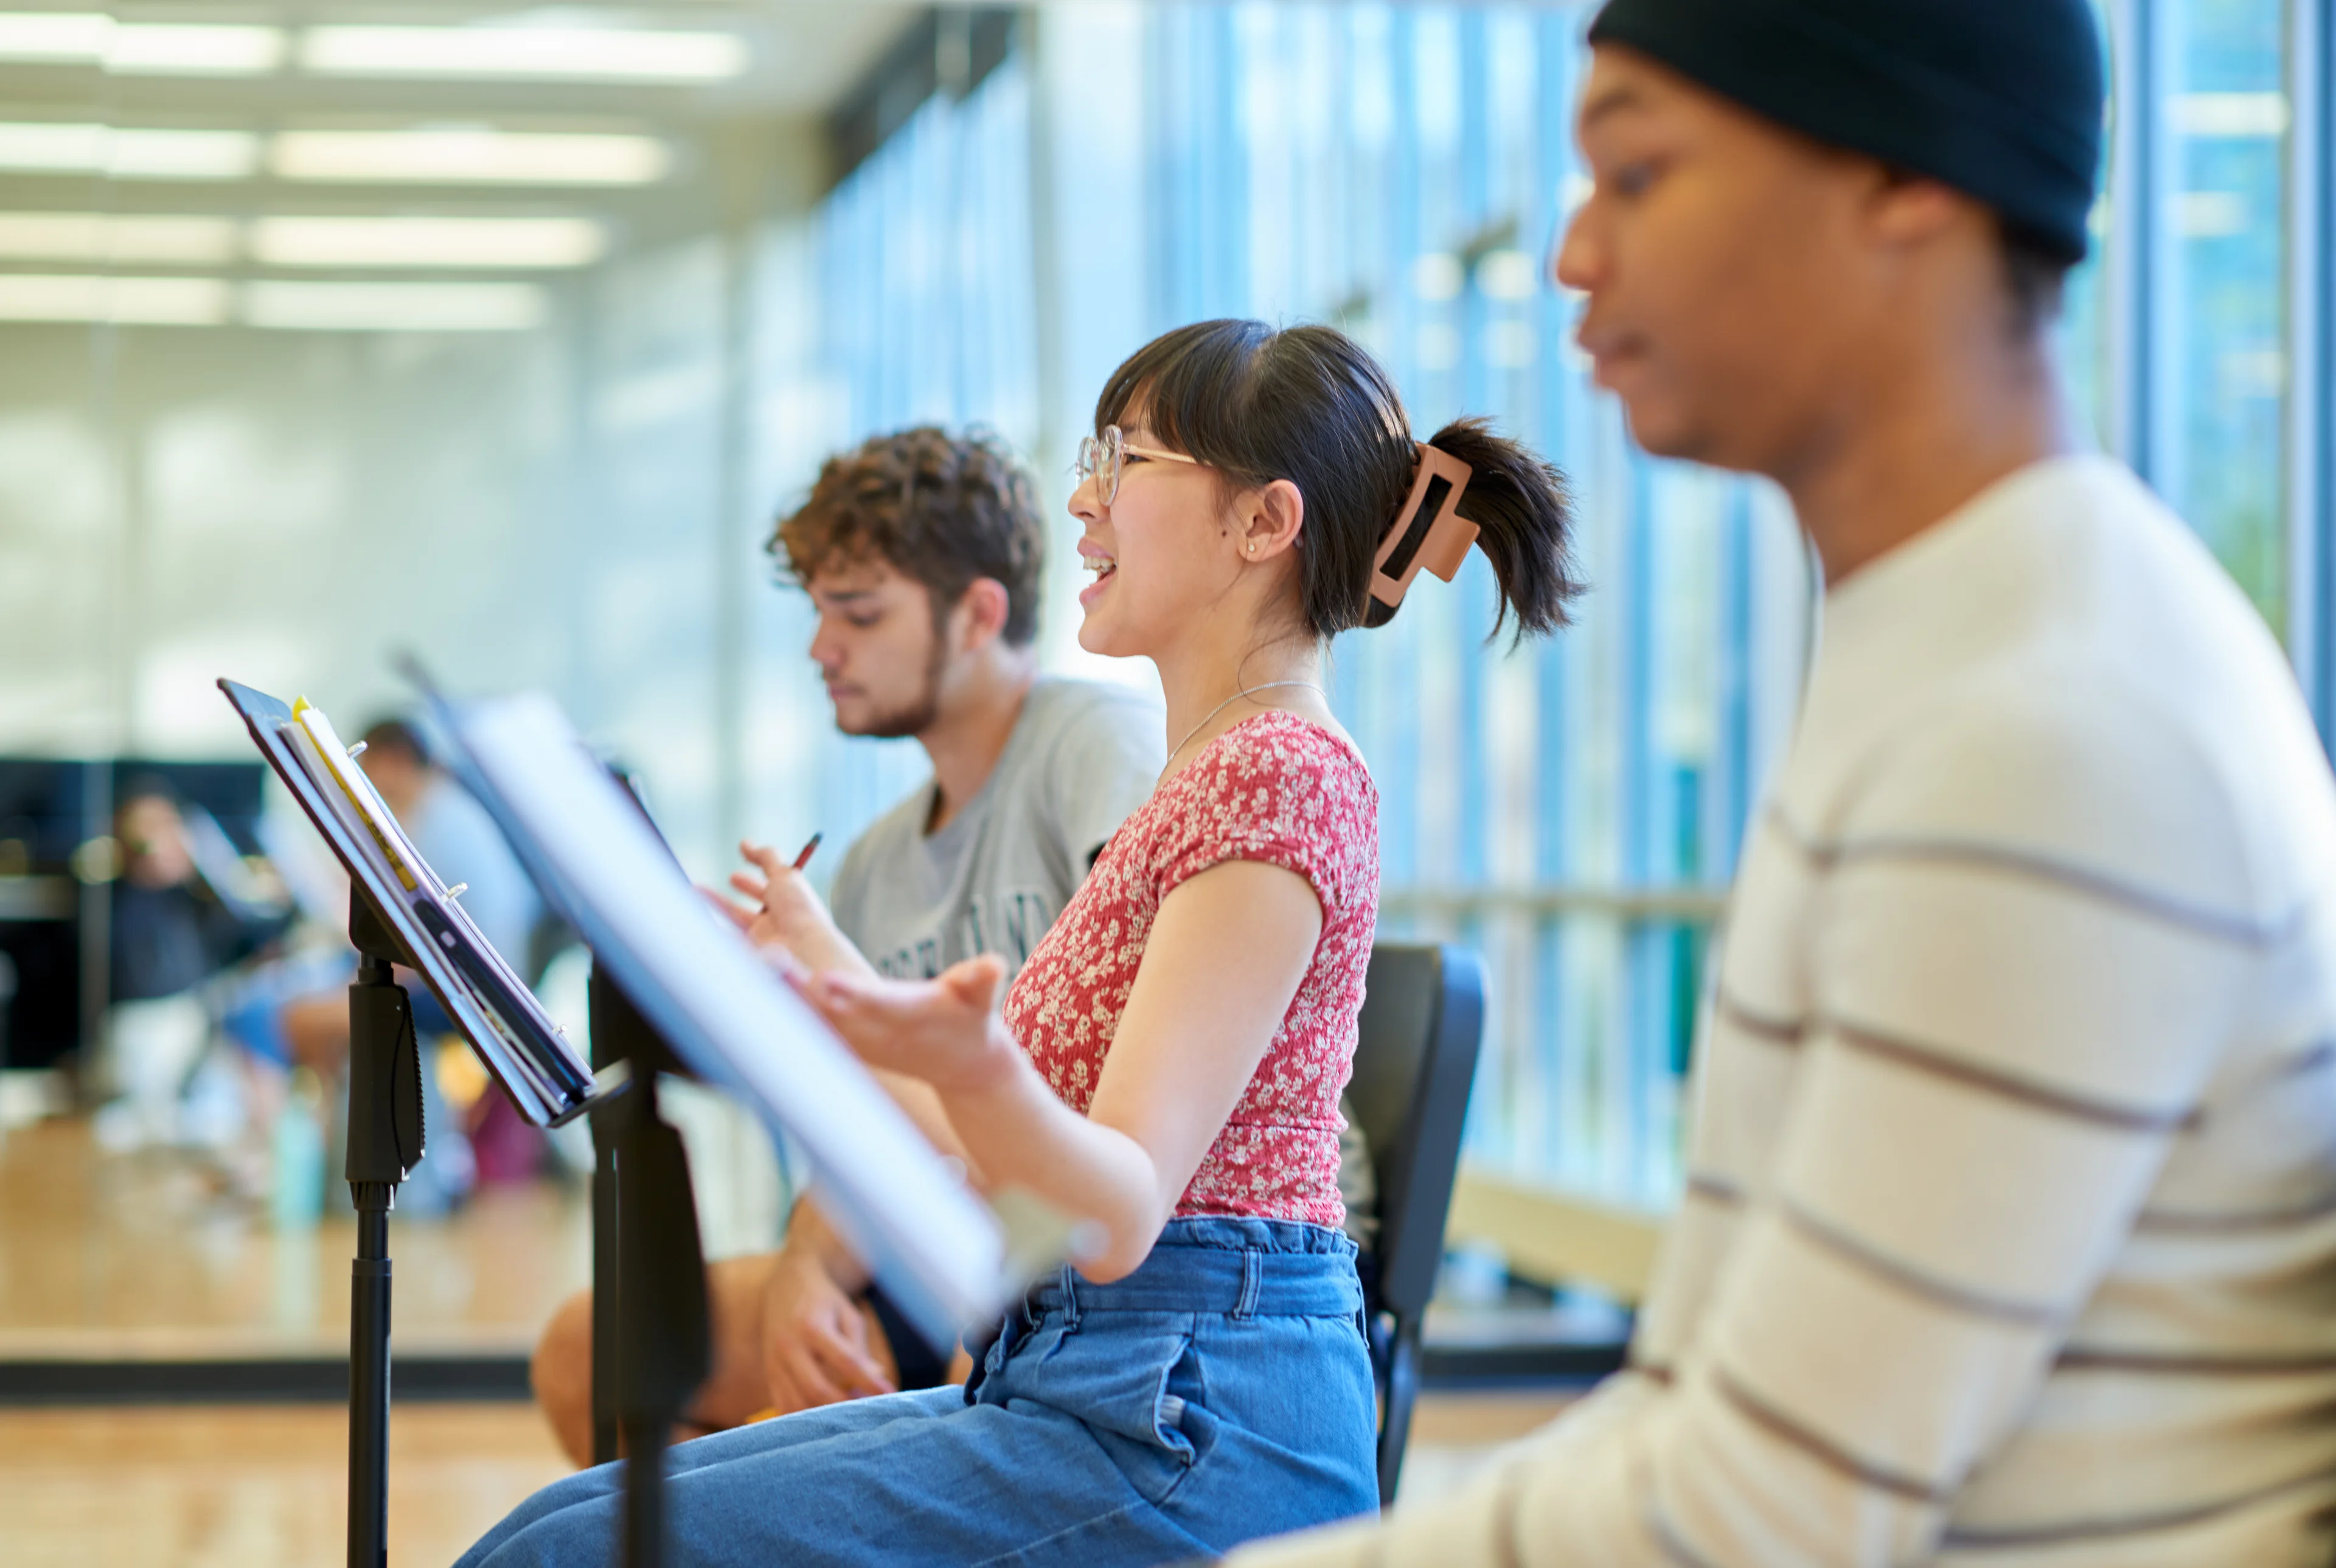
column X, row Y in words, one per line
column 651, row 1347
column 384, row 1142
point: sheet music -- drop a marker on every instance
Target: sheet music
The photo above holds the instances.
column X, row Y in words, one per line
column 352, row 790
column 546, row 1077
column 939, row 1251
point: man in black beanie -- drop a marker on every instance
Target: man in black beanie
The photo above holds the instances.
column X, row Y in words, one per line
column 2009, row 1224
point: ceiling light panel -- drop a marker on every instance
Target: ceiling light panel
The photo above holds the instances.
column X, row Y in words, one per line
column 470, row 242
column 545, row 53
column 141, row 301
column 47, row 146
column 139, row 49
column 393, row 306
column 181, row 154
column 107, row 237
column 40, row 147
column 469, row 157
column 55, row 37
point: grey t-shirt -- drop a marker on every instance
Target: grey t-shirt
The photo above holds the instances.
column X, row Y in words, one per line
column 1082, row 756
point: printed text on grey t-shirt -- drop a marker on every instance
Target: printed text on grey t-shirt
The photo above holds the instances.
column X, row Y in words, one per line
column 1081, row 757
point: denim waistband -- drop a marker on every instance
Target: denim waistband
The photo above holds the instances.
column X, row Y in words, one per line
column 1240, row 1267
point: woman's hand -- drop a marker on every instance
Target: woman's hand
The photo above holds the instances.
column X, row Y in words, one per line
column 944, row 1031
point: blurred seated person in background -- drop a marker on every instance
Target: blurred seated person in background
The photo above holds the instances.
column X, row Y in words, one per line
column 924, row 556
column 489, row 1141
column 456, row 836
column 2008, row 1233
column 169, row 933
column 462, row 843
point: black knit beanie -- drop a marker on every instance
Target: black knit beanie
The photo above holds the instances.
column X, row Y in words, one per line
column 2000, row 99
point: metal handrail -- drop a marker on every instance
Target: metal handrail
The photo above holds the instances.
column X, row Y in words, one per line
column 1685, row 904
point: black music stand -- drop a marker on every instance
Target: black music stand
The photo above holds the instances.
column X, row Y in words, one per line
column 651, row 1343
column 400, row 913
column 708, row 1003
column 386, row 1139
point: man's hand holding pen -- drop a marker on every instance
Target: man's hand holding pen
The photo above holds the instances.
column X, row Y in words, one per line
column 785, row 914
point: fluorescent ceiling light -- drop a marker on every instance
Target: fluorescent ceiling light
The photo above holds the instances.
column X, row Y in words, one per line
column 139, row 49
column 181, row 154
column 55, row 37
column 110, row 237
column 469, row 157
column 476, row 156
column 47, row 146
column 1509, row 274
column 393, row 306
column 526, row 242
column 40, row 147
column 1437, row 276
column 2231, row 115
column 2209, row 214
column 79, row 296
column 560, row 53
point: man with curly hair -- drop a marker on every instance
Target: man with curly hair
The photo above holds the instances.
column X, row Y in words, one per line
column 923, row 554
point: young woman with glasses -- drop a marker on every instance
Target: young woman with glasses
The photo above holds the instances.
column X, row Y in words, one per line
column 1167, row 1066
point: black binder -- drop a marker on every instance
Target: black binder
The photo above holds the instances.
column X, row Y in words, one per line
column 546, row 1077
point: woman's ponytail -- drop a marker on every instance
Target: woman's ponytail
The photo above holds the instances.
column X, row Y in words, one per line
column 1524, row 515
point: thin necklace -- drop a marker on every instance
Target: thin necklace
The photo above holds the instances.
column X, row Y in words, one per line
column 1245, row 691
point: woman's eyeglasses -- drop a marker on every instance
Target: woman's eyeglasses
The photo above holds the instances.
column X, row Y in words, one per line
column 1102, row 458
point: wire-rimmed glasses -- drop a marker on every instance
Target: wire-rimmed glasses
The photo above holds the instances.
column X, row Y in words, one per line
column 1103, row 458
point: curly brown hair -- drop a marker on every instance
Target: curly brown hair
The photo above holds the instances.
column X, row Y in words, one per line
column 946, row 510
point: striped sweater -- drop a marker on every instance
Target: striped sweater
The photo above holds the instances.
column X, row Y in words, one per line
column 2009, row 1236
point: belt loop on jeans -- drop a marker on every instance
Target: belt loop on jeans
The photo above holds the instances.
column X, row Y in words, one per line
column 1252, row 1278
column 1070, row 1298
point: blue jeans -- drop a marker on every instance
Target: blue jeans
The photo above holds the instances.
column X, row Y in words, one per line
column 1220, row 1393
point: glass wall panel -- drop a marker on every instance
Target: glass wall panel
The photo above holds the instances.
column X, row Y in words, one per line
column 925, row 296
column 2220, row 316
column 1573, row 808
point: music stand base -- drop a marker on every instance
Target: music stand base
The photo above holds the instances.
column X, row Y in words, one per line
column 385, row 1137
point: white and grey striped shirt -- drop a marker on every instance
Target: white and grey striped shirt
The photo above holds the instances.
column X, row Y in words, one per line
column 2011, row 1235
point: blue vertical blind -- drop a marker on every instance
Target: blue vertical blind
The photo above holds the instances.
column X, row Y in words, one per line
column 1570, row 808
column 1573, row 808
column 927, row 301
column 2220, row 315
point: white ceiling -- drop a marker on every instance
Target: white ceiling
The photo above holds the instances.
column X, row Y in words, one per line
column 763, row 127
column 805, row 54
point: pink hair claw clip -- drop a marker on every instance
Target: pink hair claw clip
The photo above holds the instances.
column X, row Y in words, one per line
column 1429, row 532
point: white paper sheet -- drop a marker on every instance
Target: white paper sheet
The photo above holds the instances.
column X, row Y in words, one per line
column 938, row 1250
column 350, row 792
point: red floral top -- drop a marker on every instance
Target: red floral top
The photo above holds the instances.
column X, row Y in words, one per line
column 1276, row 788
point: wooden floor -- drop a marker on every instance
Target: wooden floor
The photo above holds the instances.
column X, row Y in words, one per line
column 147, row 1256
column 253, row 1488
column 264, row 1487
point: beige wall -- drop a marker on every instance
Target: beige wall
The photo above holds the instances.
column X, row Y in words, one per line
column 579, row 507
